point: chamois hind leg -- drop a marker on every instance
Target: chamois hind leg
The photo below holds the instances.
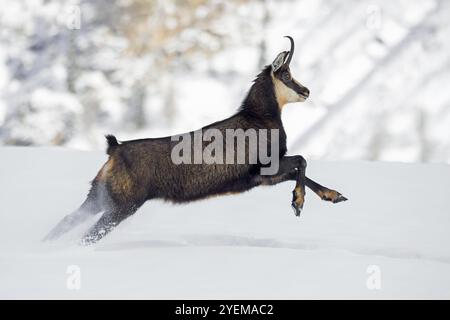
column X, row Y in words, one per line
column 90, row 207
column 125, row 190
column 108, row 221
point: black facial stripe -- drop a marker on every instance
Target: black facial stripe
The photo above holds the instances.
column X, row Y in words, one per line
column 294, row 86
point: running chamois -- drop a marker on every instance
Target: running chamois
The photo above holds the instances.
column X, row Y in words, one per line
column 141, row 170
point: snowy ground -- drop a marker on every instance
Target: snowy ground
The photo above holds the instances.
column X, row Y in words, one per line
column 245, row 246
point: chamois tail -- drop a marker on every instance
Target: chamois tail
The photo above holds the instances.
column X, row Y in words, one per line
column 112, row 143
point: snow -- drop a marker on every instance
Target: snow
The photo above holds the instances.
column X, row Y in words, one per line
column 243, row 246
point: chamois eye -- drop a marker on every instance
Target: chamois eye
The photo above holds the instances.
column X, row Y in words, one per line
column 285, row 76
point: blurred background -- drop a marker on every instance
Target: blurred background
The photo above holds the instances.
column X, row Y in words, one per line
column 378, row 71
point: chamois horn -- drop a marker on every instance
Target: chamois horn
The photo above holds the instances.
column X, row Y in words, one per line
column 291, row 51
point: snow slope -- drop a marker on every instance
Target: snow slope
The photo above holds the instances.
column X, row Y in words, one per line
column 245, row 246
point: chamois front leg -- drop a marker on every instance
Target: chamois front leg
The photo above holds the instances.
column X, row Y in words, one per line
column 291, row 168
column 324, row 193
column 298, row 194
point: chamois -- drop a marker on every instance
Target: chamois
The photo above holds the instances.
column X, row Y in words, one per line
column 141, row 170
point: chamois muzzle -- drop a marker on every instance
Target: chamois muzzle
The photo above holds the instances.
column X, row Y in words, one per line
column 304, row 92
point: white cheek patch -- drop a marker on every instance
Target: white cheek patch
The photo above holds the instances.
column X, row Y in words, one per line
column 291, row 95
column 284, row 93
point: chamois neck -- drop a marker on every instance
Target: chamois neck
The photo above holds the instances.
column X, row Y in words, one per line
column 261, row 100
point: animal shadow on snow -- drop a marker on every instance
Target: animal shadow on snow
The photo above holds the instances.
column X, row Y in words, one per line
column 247, row 241
column 208, row 241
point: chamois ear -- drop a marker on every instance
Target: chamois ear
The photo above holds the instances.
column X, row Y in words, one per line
column 279, row 60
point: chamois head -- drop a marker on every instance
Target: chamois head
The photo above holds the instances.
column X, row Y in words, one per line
column 286, row 88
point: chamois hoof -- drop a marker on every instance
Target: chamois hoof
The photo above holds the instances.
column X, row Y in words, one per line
column 340, row 198
column 297, row 203
column 297, row 210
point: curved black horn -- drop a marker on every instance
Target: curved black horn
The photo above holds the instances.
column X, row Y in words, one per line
column 291, row 52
